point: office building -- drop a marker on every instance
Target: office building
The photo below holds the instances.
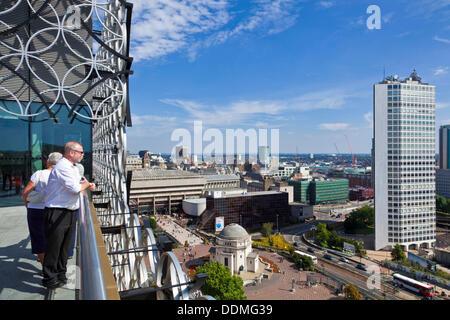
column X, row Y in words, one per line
column 218, row 182
column 443, row 183
column 249, row 210
column 444, row 147
column 158, row 190
column 320, row 191
column 404, row 163
column 133, row 162
column 264, row 156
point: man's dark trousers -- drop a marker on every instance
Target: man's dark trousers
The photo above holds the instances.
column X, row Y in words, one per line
column 59, row 230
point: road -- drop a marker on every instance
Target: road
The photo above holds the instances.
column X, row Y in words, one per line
column 348, row 273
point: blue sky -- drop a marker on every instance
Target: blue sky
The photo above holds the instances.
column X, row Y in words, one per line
column 304, row 67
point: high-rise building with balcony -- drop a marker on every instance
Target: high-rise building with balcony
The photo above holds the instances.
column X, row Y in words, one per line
column 404, row 160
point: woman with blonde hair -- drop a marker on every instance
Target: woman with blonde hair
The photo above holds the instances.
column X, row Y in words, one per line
column 33, row 197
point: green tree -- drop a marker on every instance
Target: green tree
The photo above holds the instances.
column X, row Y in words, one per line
column 266, row 229
column 291, row 250
column 441, row 203
column 351, row 293
column 397, row 253
column 220, row 284
column 303, row 262
column 322, row 234
column 152, row 222
column 360, row 219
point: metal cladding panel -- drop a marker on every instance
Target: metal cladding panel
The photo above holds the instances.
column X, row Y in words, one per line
column 10, row 47
column 44, row 54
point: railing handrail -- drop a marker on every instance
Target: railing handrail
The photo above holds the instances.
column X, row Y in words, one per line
column 92, row 281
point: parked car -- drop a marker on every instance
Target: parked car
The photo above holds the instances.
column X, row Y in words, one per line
column 296, row 244
column 343, row 259
column 361, row 266
column 311, row 250
column 327, row 256
column 338, row 216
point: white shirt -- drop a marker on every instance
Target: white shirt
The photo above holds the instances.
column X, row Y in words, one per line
column 40, row 179
column 63, row 186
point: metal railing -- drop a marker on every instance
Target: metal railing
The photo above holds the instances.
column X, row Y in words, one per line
column 92, row 283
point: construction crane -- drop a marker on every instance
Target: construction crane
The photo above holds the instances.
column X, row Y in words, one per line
column 353, row 156
column 338, row 153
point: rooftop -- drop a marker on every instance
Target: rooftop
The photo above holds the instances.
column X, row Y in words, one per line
column 249, row 194
column 152, row 174
column 233, row 231
column 220, row 177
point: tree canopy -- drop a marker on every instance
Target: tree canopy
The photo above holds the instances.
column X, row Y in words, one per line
column 362, row 218
column 266, row 229
column 351, row 293
column 330, row 239
column 397, row 253
column 221, row 284
column 442, row 204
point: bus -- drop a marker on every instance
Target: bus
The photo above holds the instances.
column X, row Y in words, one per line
column 313, row 258
column 413, row 285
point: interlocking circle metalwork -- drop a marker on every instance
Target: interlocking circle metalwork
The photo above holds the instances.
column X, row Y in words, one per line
column 56, row 52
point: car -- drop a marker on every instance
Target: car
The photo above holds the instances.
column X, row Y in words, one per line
column 343, row 259
column 296, row 244
column 327, row 256
column 338, row 216
column 361, row 266
column 311, row 250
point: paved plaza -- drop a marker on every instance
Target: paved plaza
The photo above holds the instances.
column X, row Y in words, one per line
column 167, row 224
column 278, row 287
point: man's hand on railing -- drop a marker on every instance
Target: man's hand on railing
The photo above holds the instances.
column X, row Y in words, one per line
column 92, row 186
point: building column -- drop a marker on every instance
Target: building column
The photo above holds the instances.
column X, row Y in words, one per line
column 170, row 204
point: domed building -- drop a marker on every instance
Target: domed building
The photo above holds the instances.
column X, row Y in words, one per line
column 234, row 250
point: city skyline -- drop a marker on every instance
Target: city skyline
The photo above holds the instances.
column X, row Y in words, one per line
column 304, row 67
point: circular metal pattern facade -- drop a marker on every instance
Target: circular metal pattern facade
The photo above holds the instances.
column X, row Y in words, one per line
column 73, row 53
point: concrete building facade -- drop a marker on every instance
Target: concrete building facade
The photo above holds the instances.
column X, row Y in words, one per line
column 163, row 190
column 404, row 159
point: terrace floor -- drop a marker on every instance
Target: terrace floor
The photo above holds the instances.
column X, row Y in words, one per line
column 21, row 272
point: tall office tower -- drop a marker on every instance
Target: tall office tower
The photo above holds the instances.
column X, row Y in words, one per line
column 404, row 160
column 263, row 155
column 444, row 147
column 182, row 154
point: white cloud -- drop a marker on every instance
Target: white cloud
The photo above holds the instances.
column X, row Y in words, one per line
column 146, row 119
column 441, row 40
column 442, row 105
column 334, row 126
column 440, row 70
column 326, row 4
column 161, row 27
column 248, row 112
column 369, row 118
column 387, row 17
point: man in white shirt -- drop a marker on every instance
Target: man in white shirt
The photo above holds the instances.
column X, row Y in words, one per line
column 61, row 202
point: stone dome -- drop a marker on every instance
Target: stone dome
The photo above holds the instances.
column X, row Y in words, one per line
column 233, row 231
